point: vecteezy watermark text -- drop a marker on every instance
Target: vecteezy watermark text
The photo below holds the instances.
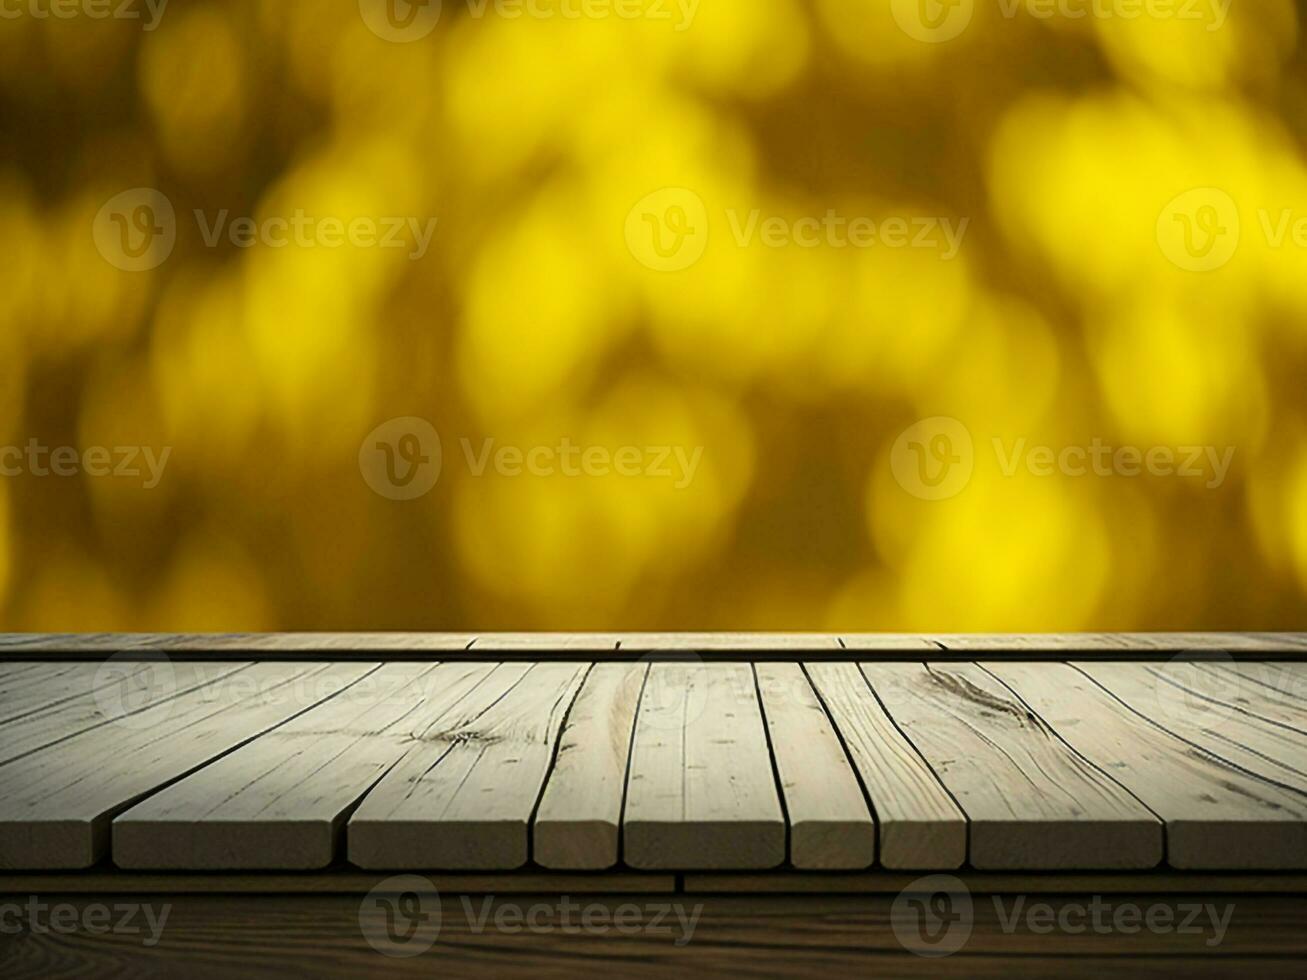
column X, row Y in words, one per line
column 667, row 230
column 402, row 917
column 1201, row 229
column 935, row 458
column 95, row 918
column 675, row 463
column 937, row 21
column 402, row 459
column 148, row 12
column 934, row 916
column 121, row 462
column 136, row 230
column 405, row 21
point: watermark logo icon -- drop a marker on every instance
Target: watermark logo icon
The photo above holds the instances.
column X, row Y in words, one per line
column 400, row 21
column 136, row 230
column 401, row 459
column 932, row 21
column 933, row 459
column 400, row 917
column 668, row 230
column 674, row 693
column 1199, row 229
column 125, row 685
column 933, row 916
column 1201, row 693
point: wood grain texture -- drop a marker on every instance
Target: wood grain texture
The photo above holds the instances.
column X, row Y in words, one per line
column 1215, row 724
column 701, row 791
column 868, row 642
column 731, row 936
column 1274, row 692
column 25, row 647
column 464, row 798
column 105, row 643
column 742, row 642
column 280, row 801
column 56, row 804
column 1032, row 802
column 997, row 883
column 579, row 821
column 573, row 643
column 1124, row 644
column 29, row 687
column 340, row 880
column 830, row 825
column 919, row 824
column 107, row 696
column 1217, row 816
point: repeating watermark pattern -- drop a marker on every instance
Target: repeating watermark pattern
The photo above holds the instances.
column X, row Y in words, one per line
column 405, row 21
column 667, row 230
column 148, row 12
column 937, row 21
column 673, row 707
column 124, row 686
column 402, row 459
column 935, row 916
column 1102, row 917
column 932, row 21
column 1197, row 692
column 136, row 230
column 94, row 918
column 144, row 463
column 934, row 459
column 402, row 917
column 1200, row 230
column 400, row 21
column 139, row 691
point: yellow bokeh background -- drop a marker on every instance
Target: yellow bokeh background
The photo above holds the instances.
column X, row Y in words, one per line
column 1060, row 144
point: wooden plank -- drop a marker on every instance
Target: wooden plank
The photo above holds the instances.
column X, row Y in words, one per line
column 41, row 644
column 113, row 697
column 39, row 685
column 1031, row 801
column 578, row 823
column 701, row 792
column 1217, row 816
column 998, row 883
column 56, row 684
column 11, row 669
column 1253, row 744
column 464, row 798
column 1125, row 644
column 920, row 826
column 1275, row 692
column 25, row 647
column 545, row 643
column 716, row 936
column 57, row 803
column 334, row 882
column 735, row 642
column 867, row 642
column 830, row 825
column 1207, row 642
column 280, row 801
column 1035, row 642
